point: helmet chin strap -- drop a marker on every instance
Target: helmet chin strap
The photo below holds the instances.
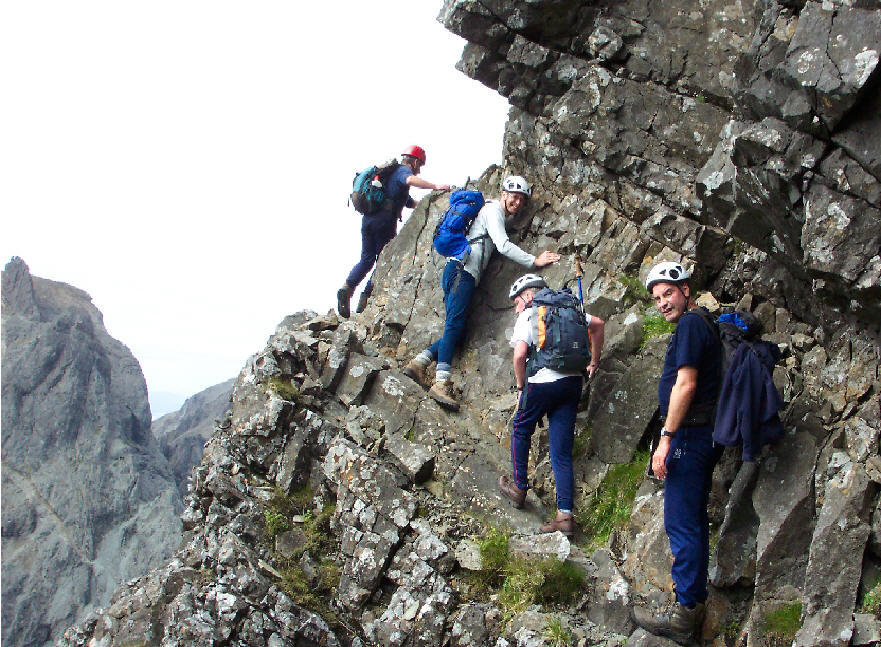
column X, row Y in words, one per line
column 687, row 296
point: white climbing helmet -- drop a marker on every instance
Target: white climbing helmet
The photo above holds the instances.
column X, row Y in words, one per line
column 526, row 281
column 516, row 184
column 666, row 272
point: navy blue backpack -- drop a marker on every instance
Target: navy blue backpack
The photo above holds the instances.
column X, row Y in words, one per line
column 451, row 233
column 560, row 330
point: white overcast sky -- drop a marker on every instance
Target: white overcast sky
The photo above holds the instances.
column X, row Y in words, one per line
column 187, row 162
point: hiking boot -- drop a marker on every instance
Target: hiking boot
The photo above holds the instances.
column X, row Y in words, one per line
column 564, row 524
column 510, row 490
column 442, row 393
column 679, row 622
column 362, row 302
column 416, row 372
column 343, row 295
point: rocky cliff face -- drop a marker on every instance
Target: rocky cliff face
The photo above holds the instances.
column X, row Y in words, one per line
column 182, row 434
column 740, row 138
column 88, row 499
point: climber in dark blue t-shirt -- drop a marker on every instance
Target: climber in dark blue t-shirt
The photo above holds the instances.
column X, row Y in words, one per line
column 693, row 344
column 378, row 228
column 685, row 455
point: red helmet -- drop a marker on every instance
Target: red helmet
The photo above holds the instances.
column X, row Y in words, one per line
column 415, row 151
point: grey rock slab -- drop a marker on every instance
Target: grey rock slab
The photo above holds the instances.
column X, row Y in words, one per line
column 541, row 546
column 609, row 595
column 832, row 55
column 734, row 560
column 621, row 419
column 396, row 399
column 416, row 461
column 866, row 630
column 832, row 574
column 783, row 500
column 469, row 626
column 358, row 378
column 647, row 561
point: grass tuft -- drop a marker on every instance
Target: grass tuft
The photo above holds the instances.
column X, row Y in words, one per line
column 609, row 507
column 556, row 634
column 634, row 290
column 494, row 551
column 872, row 600
column 655, row 326
column 521, row 582
column 276, row 523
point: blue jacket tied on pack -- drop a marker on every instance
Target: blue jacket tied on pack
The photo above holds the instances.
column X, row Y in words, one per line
column 748, row 400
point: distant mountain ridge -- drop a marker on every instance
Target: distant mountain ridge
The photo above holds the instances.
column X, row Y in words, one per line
column 182, row 434
column 89, row 501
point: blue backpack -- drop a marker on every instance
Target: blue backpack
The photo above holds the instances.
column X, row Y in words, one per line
column 368, row 188
column 450, row 235
column 562, row 340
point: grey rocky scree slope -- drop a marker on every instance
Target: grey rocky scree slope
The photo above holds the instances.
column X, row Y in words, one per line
column 88, row 499
column 182, row 434
column 739, row 138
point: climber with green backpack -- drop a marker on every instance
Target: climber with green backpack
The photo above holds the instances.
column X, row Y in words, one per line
column 380, row 194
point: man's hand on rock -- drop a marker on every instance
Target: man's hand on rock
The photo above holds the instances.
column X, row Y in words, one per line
column 546, row 258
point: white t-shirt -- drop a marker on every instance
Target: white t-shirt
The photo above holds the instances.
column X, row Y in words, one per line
column 524, row 331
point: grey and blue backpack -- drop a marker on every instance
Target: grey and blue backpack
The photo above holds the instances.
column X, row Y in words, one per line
column 562, row 340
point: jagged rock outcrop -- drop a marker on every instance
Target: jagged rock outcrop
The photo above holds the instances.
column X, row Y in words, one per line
column 182, row 434
column 739, row 138
column 88, row 499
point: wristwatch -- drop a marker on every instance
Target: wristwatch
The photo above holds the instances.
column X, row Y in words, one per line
column 664, row 432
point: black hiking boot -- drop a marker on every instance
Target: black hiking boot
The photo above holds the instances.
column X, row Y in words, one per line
column 343, row 296
column 362, row 302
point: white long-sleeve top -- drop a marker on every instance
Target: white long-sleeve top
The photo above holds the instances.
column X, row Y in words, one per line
column 491, row 220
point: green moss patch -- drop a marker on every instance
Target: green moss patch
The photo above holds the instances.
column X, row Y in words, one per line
column 284, row 387
column 781, row 625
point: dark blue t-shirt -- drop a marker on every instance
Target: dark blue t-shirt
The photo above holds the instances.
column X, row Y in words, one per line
column 693, row 344
column 398, row 191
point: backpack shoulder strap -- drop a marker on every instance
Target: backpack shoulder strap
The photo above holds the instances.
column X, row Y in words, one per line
column 479, row 237
column 707, row 318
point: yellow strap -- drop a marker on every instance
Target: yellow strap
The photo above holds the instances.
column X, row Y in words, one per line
column 540, row 313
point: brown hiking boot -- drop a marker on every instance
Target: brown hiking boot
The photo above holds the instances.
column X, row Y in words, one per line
column 678, row 622
column 564, row 524
column 416, row 372
column 510, row 490
column 343, row 295
column 442, row 393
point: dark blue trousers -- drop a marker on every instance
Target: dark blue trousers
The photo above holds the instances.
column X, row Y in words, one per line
column 559, row 400
column 458, row 286
column 376, row 232
column 690, row 464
